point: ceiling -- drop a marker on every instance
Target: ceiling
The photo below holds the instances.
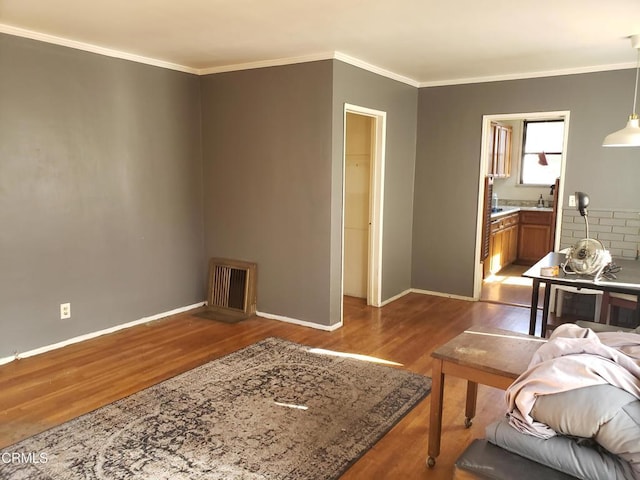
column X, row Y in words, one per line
column 422, row 42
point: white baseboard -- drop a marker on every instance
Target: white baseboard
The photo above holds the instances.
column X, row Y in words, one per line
column 395, row 297
column 440, row 294
column 327, row 328
column 99, row 333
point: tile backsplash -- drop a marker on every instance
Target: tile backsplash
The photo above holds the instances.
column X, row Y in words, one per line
column 617, row 230
column 522, row 203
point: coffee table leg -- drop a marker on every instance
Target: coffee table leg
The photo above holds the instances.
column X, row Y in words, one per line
column 470, row 409
column 435, row 416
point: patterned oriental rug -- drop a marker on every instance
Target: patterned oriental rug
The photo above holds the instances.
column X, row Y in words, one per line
column 273, row 410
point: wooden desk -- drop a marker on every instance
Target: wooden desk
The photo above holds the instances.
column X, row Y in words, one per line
column 485, row 355
column 627, row 281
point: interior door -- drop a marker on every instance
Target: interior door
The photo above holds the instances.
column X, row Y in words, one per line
column 358, row 156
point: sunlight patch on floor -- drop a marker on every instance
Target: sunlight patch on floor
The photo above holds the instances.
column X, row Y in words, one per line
column 355, row 356
column 495, row 278
column 521, row 281
column 291, row 405
column 508, row 280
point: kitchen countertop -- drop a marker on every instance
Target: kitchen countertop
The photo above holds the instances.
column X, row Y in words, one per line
column 507, row 209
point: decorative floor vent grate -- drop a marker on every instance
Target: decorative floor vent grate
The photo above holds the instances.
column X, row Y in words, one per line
column 232, row 289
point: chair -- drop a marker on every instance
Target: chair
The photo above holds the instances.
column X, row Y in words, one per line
column 597, row 314
column 612, row 302
column 557, row 299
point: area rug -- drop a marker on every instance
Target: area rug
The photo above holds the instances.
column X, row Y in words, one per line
column 273, row 410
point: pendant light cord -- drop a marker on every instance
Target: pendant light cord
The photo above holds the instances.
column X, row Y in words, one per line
column 635, row 93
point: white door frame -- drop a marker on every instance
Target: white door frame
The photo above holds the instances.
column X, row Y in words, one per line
column 376, row 200
column 484, row 152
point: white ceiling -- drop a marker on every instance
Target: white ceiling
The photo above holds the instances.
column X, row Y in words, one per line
column 423, row 42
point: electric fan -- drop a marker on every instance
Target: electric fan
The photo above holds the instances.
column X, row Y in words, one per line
column 588, row 256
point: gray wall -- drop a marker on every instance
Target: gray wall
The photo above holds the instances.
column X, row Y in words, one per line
column 448, row 161
column 100, row 192
column 365, row 89
column 273, row 153
column 119, row 180
column 267, row 181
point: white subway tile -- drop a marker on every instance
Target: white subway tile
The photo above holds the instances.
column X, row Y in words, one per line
column 600, row 228
column 610, row 236
column 600, row 214
column 628, row 230
column 629, row 215
column 614, row 222
column 573, row 227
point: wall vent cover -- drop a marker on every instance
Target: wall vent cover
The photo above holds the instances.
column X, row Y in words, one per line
column 232, row 290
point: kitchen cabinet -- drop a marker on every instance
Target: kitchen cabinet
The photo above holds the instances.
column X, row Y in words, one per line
column 503, row 243
column 500, row 150
column 511, row 241
column 535, row 238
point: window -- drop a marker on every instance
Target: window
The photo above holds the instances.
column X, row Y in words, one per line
column 541, row 151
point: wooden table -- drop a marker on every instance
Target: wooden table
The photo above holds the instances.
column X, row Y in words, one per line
column 627, row 281
column 485, row 355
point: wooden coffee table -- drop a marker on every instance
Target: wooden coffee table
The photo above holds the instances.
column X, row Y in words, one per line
column 485, row 355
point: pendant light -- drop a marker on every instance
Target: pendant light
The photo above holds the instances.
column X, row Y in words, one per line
column 629, row 136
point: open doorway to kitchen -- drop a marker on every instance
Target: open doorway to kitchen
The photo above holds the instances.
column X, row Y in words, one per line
column 365, row 132
column 523, row 160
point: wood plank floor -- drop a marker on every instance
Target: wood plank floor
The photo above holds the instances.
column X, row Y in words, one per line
column 508, row 286
column 46, row 390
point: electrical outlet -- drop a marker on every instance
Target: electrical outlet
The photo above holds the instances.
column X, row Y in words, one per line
column 572, row 200
column 65, row 311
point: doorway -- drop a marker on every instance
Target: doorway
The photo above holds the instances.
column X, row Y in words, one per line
column 507, row 286
column 364, row 135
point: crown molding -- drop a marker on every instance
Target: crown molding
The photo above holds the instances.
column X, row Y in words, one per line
column 277, row 62
column 375, row 69
column 311, row 58
column 87, row 47
column 524, row 76
column 43, row 37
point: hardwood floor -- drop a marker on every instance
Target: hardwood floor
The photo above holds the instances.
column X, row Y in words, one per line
column 46, row 390
column 510, row 287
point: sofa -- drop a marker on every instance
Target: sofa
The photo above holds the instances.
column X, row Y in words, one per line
column 574, row 411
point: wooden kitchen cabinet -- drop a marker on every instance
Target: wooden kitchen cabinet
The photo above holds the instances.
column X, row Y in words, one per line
column 511, row 241
column 535, row 236
column 503, row 243
column 500, row 150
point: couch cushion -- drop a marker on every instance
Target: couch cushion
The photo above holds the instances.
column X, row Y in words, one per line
column 577, row 458
column 605, row 413
column 485, row 460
